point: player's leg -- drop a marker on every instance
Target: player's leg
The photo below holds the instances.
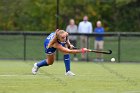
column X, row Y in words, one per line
column 67, row 64
column 45, row 62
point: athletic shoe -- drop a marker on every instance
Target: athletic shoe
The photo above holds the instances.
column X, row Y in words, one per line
column 35, row 69
column 69, row 73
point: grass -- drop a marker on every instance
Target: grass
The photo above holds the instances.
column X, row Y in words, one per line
column 16, row 77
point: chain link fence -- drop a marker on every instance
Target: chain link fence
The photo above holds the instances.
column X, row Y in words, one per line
column 29, row 46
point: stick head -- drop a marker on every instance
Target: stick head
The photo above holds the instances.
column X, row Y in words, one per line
column 109, row 52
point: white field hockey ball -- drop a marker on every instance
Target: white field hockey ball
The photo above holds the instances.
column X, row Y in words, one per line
column 112, row 59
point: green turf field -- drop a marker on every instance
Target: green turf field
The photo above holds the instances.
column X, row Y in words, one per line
column 16, row 77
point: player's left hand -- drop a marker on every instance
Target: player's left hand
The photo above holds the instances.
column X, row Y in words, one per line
column 71, row 46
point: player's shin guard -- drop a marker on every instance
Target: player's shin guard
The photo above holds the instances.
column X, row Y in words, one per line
column 42, row 63
column 67, row 62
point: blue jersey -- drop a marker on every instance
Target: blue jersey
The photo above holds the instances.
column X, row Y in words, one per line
column 99, row 30
column 51, row 50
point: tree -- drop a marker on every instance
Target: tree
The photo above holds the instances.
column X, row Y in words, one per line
column 40, row 15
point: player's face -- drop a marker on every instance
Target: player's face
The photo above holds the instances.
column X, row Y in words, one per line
column 62, row 37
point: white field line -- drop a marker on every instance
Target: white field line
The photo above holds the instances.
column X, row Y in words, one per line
column 132, row 92
column 59, row 75
column 9, row 75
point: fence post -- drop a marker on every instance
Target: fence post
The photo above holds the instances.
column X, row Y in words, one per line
column 57, row 25
column 24, row 50
column 87, row 47
column 119, row 46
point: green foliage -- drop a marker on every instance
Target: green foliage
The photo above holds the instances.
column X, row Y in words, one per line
column 128, row 16
column 40, row 15
column 27, row 15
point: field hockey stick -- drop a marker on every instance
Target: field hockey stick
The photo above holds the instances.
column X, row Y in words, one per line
column 103, row 52
column 97, row 51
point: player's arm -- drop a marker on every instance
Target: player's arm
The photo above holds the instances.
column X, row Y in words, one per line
column 70, row 46
column 66, row 50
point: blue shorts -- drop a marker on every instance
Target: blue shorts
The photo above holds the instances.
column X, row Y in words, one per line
column 51, row 50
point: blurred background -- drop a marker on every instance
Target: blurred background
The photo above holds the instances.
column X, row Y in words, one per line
column 24, row 24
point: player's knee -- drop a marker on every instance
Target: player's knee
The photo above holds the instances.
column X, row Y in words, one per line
column 50, row 62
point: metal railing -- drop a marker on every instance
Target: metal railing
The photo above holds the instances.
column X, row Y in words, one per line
column 25, row 39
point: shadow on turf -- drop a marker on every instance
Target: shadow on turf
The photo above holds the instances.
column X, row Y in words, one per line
column 63, row 83
column 117, row 74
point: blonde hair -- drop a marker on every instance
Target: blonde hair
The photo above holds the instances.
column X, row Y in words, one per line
column 57, row 35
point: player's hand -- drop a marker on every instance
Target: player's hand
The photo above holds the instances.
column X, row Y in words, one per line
column 84, row 50
column 71, row 46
